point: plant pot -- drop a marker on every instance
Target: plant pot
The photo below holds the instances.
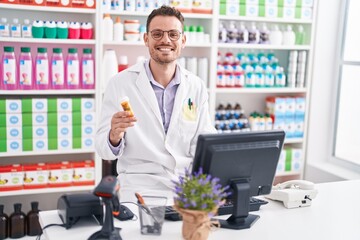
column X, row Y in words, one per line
column 196, row 224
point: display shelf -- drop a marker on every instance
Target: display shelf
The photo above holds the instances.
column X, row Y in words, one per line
column 50, row 152
column 289, row 173
column 260, row 90
column 262, row 46
column 46, row 190
column 49, row 92
column 48, row 40
column 145, row 14
column 293, row 140
column 48, row 9
column 265, row 19
column 141, row 43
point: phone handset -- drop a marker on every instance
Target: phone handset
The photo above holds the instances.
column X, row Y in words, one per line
column 297, row 184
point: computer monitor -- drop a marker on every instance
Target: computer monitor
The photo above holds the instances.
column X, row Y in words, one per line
column 245, row 161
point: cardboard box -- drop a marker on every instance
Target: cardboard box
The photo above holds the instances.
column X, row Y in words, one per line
column 32, row 2
column 60, row 174
column 13, row 106
column 58, row 3
column 11, row 177
column 83, row 3
column 84, row 172
column 35, row 175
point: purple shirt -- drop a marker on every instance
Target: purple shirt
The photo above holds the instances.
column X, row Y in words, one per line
column 165, row 98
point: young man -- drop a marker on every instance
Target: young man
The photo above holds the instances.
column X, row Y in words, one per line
column 170, row 106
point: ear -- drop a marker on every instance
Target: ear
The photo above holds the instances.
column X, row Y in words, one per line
column 183, row 41
column 146, row 39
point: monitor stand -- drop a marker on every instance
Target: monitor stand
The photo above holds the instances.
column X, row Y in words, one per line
column 240, row 219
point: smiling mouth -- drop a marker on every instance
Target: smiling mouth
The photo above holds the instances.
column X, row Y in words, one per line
column 165, row 49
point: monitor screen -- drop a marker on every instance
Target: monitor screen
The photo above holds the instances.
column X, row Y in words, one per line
column 245, row 161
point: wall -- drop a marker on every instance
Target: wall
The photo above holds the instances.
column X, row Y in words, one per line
column 323, row 105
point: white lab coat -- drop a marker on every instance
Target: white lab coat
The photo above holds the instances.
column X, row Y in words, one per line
column 152, row 158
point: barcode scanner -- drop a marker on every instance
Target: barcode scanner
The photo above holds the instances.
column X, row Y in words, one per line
column 107, row 189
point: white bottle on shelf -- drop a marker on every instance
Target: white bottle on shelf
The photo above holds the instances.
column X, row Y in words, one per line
column 15, row 29
column 109, row 66
column 118, row 30
column 288, row 36
column 107, row 28
column 26, row 29
column 276, row 35
column 4, row 28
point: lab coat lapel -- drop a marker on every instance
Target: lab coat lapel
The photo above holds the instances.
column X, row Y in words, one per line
column 180, row 93
column 144, row 86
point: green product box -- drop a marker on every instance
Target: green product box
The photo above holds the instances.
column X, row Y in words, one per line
column 76, row 143
column 3, row 120
column 2, row 106
column 3, row 133
column 288, row 160
column 3, row 145
column 76, row 131
column 27, row 144
column 27, row 119
column 76, row 104
column 52, row 105
column 27, row 132
column 26, row 105
column 53, row 132
column 52, row 119
column 52, row 143
column 76, row 118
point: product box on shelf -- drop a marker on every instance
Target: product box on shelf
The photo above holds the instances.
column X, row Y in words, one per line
column 32, row 2
column 11, row 177
column 83, row 3
column 293, row 159
column 87, row 143
column 35, row 175
column 58, row 3
column 281, row 163
column 60, row 174
column 9, row 1
column 83, row 172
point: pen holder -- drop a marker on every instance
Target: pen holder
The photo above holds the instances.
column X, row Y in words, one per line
column 152, row 215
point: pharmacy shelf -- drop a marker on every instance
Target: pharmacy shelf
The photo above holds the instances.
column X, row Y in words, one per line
column 141, row 43
column 293, row 140
column 145, row 14
column 46, row 190
column 265, row 19
column 262, row 46
column 49, row 40
column 48, row 9
column 49, row 92
column 260, row 90
column 46, row 153
column 290, row 173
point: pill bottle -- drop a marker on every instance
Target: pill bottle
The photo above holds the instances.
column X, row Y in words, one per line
column 125, row 104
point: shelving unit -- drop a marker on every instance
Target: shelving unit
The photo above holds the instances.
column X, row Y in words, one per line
column 32, row 13
column 251, row 99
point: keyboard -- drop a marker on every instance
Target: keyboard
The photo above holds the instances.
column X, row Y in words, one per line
column 255, row 204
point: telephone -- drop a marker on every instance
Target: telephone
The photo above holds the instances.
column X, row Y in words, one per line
column 294, row 193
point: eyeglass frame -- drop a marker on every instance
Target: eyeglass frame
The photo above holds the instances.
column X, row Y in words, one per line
column 163, row 33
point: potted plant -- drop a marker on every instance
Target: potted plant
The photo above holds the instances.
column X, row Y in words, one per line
column 197, row 198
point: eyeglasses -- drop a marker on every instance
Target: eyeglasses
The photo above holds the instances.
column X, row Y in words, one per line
column 158, row 34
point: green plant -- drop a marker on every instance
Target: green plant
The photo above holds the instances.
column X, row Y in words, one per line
column 199, row 191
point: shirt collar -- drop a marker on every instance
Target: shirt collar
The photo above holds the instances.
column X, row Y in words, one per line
column 175, row 81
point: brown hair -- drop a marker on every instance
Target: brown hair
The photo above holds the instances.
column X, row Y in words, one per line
column 165, row 11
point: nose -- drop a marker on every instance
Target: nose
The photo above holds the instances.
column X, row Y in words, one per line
column 166, row 37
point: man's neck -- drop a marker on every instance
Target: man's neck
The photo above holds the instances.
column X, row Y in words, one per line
column 163, row 73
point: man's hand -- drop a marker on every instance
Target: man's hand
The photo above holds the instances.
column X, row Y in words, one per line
column 120, row 121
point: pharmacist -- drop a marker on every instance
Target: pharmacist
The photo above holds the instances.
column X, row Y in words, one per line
column 170, row 105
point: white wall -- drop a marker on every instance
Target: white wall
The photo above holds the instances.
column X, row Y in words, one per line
column 323, row 90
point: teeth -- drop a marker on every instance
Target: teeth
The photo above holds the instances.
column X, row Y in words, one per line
column 165, row 49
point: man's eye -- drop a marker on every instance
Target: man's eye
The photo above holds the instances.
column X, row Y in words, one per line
column 173, row 34
column 157, row 34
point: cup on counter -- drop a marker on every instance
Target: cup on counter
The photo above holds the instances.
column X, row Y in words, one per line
column 152, row 215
